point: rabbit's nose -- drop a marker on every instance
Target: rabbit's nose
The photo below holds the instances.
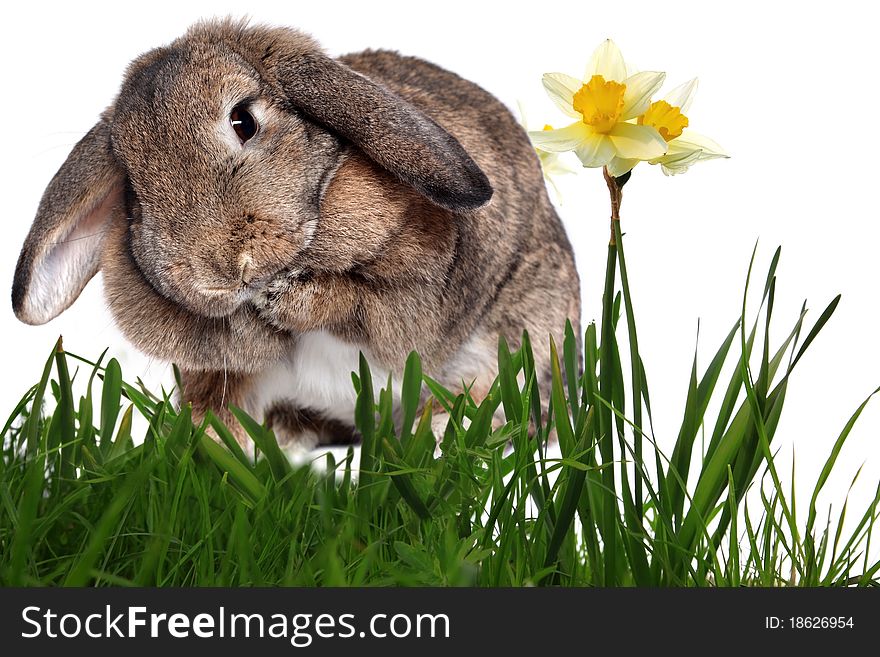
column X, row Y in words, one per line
column 246, row 267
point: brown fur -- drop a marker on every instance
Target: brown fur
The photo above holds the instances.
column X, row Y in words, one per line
column 360, row 209
column 291, row 424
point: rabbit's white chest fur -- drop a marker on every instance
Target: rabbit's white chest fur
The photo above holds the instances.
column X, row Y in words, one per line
column 315, row 375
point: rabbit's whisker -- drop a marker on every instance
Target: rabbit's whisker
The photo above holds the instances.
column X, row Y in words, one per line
column 81, row 237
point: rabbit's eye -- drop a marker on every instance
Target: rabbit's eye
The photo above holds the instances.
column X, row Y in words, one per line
column 244, row 123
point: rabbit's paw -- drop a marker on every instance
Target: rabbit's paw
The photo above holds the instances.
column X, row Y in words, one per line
column 272, row 299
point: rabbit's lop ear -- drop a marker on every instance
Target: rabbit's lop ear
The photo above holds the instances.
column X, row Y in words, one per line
column 63, row 249
column 391, row 131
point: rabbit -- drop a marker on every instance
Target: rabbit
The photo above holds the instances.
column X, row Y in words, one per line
column 263, row 213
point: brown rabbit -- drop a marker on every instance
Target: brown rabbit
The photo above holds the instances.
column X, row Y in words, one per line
column 262, row 213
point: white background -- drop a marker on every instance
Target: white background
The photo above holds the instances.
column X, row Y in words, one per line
column 789, row 89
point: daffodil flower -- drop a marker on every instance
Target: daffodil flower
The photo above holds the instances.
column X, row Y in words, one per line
column 552, row 164
column 604, row 104
column 669, row 118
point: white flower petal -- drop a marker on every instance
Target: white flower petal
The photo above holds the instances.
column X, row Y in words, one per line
column 619, row 166
column 638, row 142
column 687, row 150
column 607, row 62
column 561, row 88
column 639, row 89
column 553, row 164
column 561, row 140
column 675, row 150
column 557, row 195
column 678, row 163
column 595, row 151
column 692, row 141
column 683, row 95
column 523, row 120
column 677, row 156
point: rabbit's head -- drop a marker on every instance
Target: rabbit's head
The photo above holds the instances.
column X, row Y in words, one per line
column 214, row 157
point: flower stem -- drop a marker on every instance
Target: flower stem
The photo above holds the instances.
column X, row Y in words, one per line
column 615, row 189
column 639, row 385
column 607, row 359
column 611, row 386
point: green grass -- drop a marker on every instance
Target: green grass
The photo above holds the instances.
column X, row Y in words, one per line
column 80, row 504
